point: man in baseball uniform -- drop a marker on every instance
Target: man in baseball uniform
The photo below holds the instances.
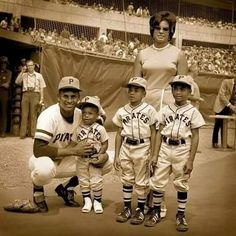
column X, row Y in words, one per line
column 133, row 146
column 52, row 156
column 176, row 145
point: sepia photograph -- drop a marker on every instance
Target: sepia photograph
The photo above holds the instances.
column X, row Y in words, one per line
column 117, row 117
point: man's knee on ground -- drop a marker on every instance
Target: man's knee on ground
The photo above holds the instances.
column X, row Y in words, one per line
column 42, row 170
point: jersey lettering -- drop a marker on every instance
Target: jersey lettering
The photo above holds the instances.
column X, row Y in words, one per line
column 96, row 135
column 179, row 117
column 63, row 137
column 140, row 116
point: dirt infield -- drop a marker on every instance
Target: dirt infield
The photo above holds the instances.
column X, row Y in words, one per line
column 210, row 211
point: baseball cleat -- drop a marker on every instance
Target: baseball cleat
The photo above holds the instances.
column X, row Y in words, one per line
column 67, row 195
column 41, row 204
column 124, row 216
column 138, row 217
column 163, row 213
column 23, row 206
column 153, row 219
column 181, row 223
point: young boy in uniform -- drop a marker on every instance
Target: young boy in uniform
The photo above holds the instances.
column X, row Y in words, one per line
column 89, row 173
column 133, row 147
column 176, row 145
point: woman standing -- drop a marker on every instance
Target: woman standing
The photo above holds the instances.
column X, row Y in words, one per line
column 160, row 62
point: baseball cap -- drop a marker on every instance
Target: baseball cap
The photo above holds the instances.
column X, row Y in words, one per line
column 91, row 100
column 69, row 82
column 138, row 81
column 182, row 79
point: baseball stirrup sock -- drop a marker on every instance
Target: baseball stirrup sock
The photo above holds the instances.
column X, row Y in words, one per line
column 182, row 201
column 157, row 199
column 97, row 194
column 86, row 194
column 141, row 203
column 38, row 193
column 127, row 195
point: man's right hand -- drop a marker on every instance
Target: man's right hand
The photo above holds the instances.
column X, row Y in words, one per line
column 83, row 149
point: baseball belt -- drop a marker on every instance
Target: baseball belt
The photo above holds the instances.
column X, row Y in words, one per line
column 133, row 142
column 173, row 142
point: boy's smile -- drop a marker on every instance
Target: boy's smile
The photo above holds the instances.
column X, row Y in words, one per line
column 180, row 94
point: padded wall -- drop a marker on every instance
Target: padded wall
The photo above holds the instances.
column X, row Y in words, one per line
column 106, row 78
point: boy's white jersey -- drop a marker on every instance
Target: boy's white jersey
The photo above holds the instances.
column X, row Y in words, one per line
column 95, row 134
column 179, row 120
column 135, row 121
column 53, row 128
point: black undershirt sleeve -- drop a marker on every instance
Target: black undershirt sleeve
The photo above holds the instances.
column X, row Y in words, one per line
column 41, row 148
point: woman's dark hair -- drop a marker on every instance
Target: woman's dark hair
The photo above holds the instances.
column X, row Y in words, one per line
column 156, row 19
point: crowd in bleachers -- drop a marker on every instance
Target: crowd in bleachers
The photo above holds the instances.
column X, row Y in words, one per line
column 142, row 11
column 204, row 22
column 212, row 60
column 104, row 45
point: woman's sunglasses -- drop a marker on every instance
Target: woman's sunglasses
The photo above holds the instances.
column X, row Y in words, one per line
column 163, row 28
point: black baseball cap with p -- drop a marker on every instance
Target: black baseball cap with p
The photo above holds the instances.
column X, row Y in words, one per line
column 68, row 82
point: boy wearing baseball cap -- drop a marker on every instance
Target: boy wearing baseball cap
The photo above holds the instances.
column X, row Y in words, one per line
column 89, row 170
column 133, row 148
column 176, row 145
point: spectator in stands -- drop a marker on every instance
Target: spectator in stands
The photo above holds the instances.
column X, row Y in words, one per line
column 15, row 24
column 5, row 80
column 130, row 9
column 225, row 104
column 32, row 87
column 4, row 23
column 110, row 36
column 139, row 11
column 103, row 38
column 65, row 35
column 146, row 12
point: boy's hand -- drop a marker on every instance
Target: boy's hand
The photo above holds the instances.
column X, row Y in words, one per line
column 83, row 148
column 116, row 163
column 99, row 158
column 188, row 167
column 152, row 166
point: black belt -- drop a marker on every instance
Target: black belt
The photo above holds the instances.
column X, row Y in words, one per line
column 134, row 142
column 174, row 142
column 30, row 88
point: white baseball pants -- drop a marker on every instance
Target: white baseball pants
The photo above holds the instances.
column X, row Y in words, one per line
column 44, row 169
column 171, row 160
